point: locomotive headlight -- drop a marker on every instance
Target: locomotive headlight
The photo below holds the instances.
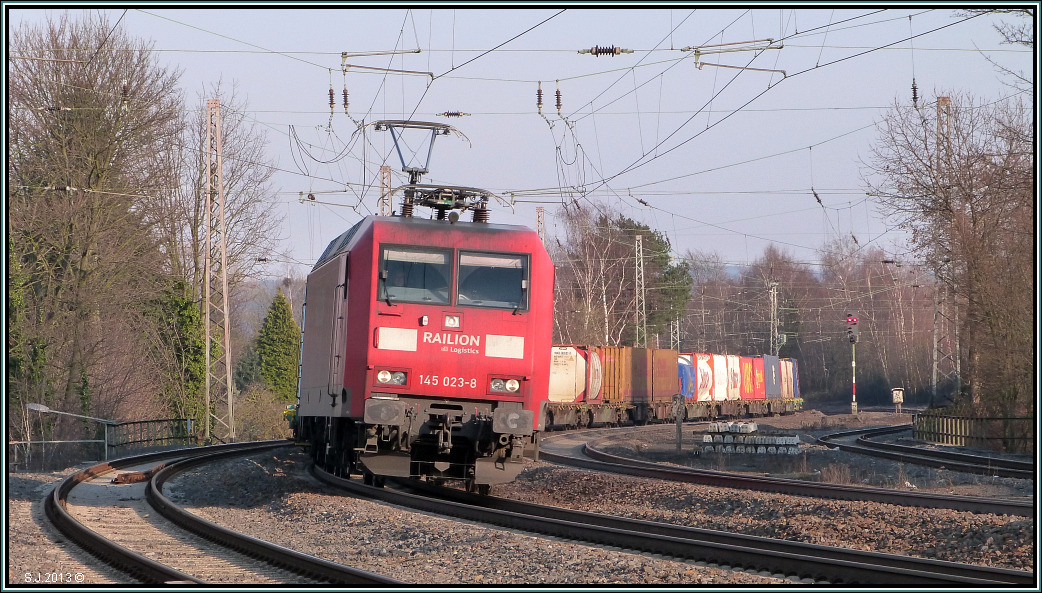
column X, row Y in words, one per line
column 452, row 322
column 391, row 377
column 505, row 385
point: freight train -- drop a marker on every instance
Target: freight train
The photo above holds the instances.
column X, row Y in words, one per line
column 427, row 353
column 610, row 385
column 426, row 345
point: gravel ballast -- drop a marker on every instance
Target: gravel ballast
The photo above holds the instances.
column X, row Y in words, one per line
column 273, row 498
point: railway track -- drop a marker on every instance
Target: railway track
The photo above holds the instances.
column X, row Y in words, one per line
column 595, row 459
column 758, row 554
column 134, row 527
column 986, row 465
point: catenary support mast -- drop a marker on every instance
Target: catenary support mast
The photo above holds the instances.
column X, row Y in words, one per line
column 218, row 385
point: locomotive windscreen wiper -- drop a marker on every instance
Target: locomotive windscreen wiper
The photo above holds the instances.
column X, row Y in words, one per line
column 387, row 293
column 521, row 297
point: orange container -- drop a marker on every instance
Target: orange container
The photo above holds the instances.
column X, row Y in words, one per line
column 639, row 374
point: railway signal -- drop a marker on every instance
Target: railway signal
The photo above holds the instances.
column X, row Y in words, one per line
column 851, row 328
column 852, row 336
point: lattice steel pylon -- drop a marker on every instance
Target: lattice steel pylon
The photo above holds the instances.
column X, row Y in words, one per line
column 540, row 225
column 641, row 310
column 215, row 287
column 385, row 190
column 947, row 356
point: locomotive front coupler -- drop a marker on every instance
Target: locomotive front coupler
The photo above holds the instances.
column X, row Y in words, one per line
column 442, row 425
column 517, row 451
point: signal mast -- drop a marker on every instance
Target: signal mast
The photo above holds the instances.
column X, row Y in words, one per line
column 852, row 336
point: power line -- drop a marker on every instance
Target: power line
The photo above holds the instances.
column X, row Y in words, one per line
column 103, row 41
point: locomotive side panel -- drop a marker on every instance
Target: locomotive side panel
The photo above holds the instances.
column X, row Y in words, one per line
column 321, row 374
column 360, row 308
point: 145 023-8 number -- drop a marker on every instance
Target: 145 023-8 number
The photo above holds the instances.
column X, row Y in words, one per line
column 436, row 381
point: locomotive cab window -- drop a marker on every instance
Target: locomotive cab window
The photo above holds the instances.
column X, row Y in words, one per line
column 493, row 280
column 414, row 276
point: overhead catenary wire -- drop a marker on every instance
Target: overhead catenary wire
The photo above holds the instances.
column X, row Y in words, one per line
column 657, row 154
column 638, row 163
column 641, row 161
column 599, row 112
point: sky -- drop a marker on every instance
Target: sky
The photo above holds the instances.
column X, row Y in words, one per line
column 721, row 151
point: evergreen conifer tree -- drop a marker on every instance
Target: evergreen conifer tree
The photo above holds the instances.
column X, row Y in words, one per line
column 278, row 349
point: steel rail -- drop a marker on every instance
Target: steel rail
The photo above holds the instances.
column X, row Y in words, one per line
column 963, row 462
column 598, row 460
column 137, row 565
column 272, row 553
column 802, row 560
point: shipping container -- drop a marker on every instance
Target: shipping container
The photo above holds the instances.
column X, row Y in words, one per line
column 719, row 377
column 639, row 375
column 785, row 366
column 734, row 378
column 640, row 381
column 748, row 378
column 796, row 379
column 570, row 374
column 704, row 382
column 686, row 376
column 664, row 374
column 758, row 380
column 617, row 364
column 771, row 377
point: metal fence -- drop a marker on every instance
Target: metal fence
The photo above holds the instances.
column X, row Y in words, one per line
column 1003, row 434
column 127, row 437
column 120, row 439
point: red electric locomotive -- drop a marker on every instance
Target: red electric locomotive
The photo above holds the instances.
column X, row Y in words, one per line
column 426, row 345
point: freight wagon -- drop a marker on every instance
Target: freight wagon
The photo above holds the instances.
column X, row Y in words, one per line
column 608, row 385
column 736, row 386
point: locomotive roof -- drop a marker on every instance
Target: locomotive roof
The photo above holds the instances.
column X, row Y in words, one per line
column 422, row 224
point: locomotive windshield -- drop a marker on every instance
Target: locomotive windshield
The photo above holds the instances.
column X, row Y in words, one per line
column 415, row 276
column 418, row 275
column 493, row 280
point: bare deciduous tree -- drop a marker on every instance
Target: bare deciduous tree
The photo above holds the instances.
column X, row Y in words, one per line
column 595, row 297
column 252, row 224
column 962, row 183
column 89, row 108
